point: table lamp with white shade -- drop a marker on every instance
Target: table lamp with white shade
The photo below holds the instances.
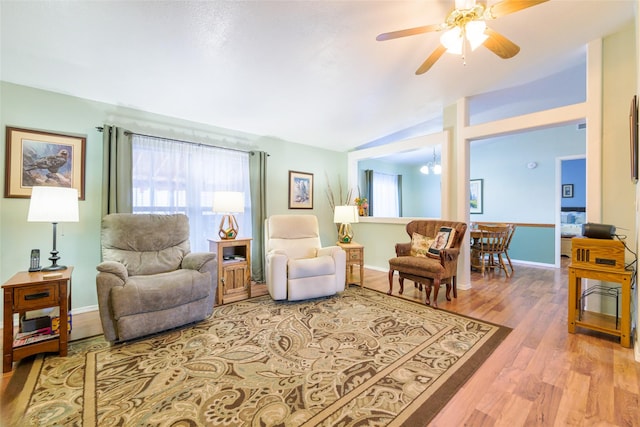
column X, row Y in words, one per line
column 228, row 203
column 345, row 216
column 54, row 205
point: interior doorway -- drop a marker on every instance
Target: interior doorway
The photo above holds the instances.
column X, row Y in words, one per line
column 572, row 201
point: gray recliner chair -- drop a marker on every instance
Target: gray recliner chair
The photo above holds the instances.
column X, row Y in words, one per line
column 149, row 281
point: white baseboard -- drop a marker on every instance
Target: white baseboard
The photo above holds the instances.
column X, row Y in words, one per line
column 372, row 267
column 86, row 309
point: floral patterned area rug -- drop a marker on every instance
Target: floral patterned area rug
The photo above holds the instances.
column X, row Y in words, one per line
column 357, row 358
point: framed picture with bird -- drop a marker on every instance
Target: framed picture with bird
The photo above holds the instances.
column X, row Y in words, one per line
column 38, row 158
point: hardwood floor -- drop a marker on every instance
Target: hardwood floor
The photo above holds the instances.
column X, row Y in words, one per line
column 540, row 375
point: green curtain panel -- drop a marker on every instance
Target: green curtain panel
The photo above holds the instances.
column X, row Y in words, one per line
column 258, row 182
column 116, row 171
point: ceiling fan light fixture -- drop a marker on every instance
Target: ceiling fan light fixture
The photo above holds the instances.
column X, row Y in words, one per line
column 465, row 4
column 452, row 40
column 475, row 33
column 437, row 169
column 466, row 24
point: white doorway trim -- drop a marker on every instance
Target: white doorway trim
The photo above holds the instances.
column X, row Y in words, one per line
column 558, row 215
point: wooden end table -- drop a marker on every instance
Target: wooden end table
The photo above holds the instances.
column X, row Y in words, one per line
column 355, row 256
column 27, row 291
column 596, row 321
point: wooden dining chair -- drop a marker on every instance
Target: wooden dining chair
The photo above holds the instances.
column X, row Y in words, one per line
column 491, row 247
column 512, row 230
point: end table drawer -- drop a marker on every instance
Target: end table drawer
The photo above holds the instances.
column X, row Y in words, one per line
column 35, row 296
column 354, row 255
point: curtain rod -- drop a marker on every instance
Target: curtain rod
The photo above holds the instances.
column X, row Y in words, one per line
column 128, row 132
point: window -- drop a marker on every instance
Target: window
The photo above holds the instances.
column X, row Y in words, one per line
column 180, row 177
column 386, row 198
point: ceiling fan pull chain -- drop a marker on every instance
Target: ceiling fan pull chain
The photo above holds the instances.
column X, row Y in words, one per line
column 464, row 45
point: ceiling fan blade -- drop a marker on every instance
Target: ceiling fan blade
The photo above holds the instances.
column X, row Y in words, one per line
column 506, row 7
column 410, row 32
column 500, row 45
column 428, row 63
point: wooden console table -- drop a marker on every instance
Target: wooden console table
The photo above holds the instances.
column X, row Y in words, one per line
column 597, row 321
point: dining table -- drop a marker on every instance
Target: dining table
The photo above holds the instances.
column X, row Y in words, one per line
column 478, row 235
column 474, row 236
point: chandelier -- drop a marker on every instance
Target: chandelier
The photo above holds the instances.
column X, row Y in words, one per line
column 432, row 167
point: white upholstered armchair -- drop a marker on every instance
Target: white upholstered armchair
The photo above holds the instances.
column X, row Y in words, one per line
column 297, row 267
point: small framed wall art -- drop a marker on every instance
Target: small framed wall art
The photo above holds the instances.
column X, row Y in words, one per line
column 35, row 158
column 567, row 191
column 475, row 196
column 300, row 190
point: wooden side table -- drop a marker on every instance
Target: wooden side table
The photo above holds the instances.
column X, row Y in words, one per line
column 355, row 256
column 32, row 291
column 597, row 321
column 234, row 269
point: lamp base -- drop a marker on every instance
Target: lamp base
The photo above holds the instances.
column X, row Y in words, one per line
column 54, row 263
column 228, row 228
column 54, row 267
column 345, row 234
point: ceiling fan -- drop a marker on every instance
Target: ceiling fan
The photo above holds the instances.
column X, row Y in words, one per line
column 466, row 23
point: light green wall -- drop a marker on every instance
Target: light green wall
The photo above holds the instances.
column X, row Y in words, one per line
column 619, row 193
column 512, row 191
column 379, row 242
column 417, row 189
column 79, row 243
column 618, row 86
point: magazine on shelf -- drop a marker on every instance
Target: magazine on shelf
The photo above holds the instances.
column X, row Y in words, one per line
column 24, row 338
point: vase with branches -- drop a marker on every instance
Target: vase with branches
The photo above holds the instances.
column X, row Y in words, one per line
column 342, row 199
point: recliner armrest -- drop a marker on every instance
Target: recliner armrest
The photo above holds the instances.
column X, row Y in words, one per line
column 114, row 267
column 198, row 260
column 329, row 250
column 276, row 274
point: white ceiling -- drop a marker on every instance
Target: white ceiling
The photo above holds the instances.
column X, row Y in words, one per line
column 304, row 71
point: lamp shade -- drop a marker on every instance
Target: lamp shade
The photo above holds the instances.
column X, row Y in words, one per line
column 53, row 204
column 227, row 202
column 345, row 214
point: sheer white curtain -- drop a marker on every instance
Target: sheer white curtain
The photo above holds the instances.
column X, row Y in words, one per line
column 180, row 177
column 385, row 195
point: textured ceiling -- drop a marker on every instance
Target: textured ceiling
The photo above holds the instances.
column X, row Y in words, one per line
column 303, row 71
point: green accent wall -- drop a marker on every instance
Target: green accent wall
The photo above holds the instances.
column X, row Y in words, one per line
column 533, row 244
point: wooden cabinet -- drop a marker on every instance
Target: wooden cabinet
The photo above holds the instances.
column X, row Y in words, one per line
column 603, row 260
column 234, row 270
column 27, row 291
column 355, row 256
